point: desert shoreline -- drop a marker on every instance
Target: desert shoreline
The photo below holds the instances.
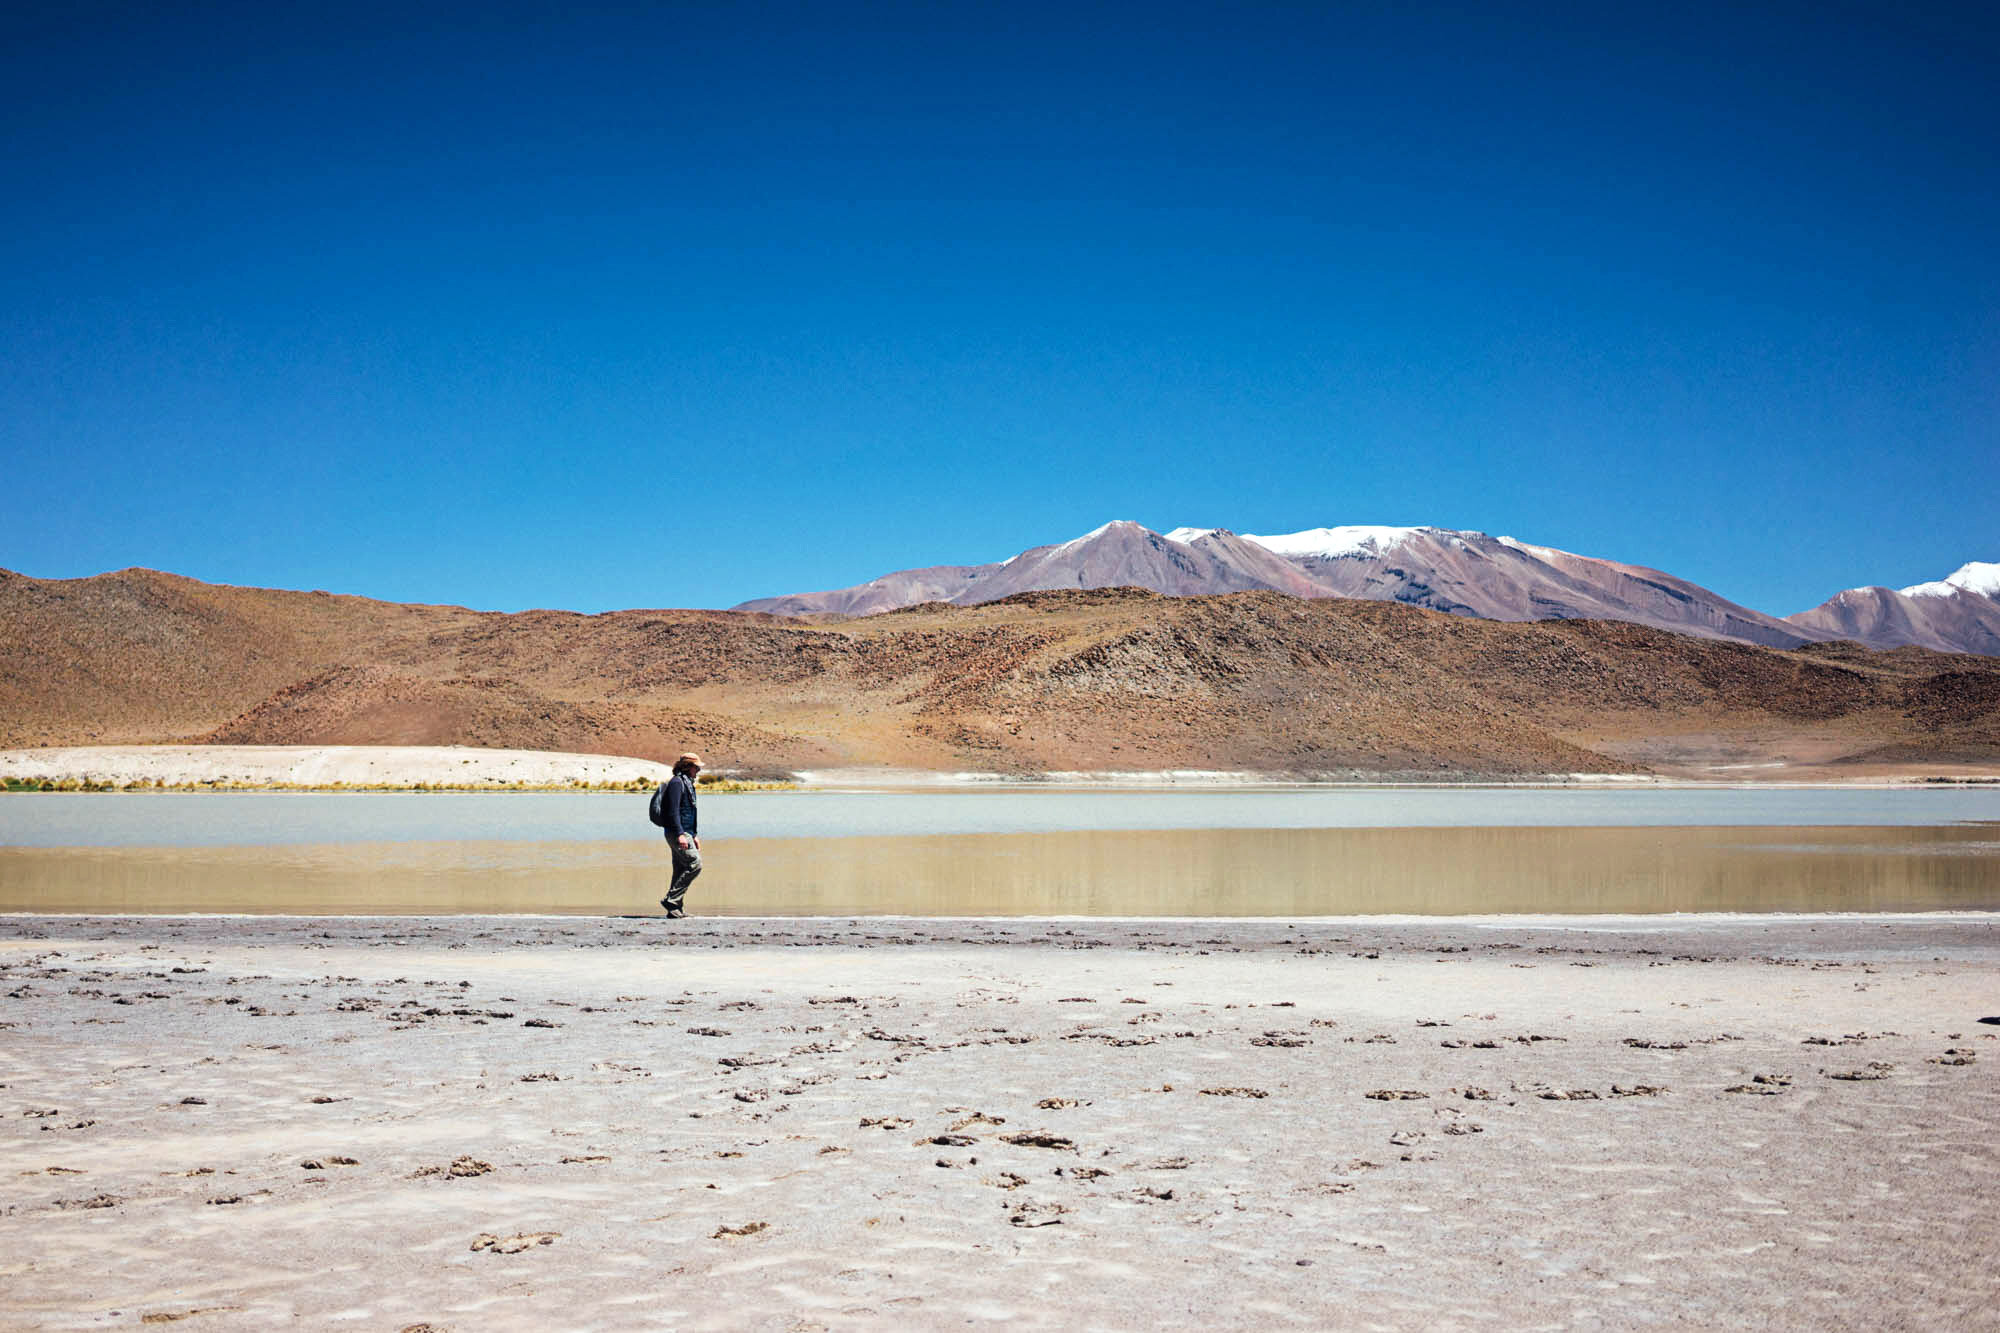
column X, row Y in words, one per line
column 498, row 1122
column 195, row 768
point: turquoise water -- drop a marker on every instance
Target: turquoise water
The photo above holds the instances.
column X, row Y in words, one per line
column 275, row 818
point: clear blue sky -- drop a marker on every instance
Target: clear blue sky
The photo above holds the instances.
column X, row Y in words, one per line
column 656, row 306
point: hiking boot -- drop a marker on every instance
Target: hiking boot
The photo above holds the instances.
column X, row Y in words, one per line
column 675, row 914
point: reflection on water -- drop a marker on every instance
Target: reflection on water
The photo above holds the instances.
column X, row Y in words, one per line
column 1184, row 872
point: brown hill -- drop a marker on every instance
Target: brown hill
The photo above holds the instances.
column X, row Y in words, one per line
column 1113, row 679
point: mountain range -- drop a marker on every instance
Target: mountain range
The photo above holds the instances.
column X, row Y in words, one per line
column 1115, row 679
column 1461, row 573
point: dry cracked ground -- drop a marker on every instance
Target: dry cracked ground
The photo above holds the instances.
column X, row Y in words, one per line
column 478, row 1123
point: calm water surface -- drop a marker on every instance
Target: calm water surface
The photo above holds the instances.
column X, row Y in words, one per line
column 265, row 818
column 1014, row 852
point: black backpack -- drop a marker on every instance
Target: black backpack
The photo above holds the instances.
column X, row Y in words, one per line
column 656, row 809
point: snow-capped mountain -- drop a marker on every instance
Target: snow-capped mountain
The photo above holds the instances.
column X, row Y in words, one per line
column 1957, row 614
column 1500, row 578
column 1464, row 573
column 1118, row 554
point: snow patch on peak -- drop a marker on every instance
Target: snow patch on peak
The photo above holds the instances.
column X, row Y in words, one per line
column 1977, row 576
column 1186, row 535
column 1539, row 552
column 1980, row 576
column 1096, row 532
column 1336, row 543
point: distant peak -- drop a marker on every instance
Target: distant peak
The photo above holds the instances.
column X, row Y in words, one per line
column 1100, row 530
column 1186, row 535
column 1978, row 576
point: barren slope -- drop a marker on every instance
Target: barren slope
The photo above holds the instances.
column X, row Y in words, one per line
column 1958, row 620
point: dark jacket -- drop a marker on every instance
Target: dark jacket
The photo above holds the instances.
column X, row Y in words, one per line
column 678, row 806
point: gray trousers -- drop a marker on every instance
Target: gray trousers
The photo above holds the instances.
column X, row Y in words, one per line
column 687, row 864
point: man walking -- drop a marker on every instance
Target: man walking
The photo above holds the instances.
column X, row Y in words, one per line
column 677, row 804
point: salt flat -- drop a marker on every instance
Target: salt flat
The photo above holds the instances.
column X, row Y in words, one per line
column 322, row 765
column 500, row 1122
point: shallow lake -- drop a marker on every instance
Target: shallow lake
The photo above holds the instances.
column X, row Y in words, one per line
column 1287, row 852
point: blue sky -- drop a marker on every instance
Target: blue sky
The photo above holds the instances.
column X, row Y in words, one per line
column 653, row 306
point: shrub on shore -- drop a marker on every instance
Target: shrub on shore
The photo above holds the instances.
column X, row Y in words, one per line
column 56, row 784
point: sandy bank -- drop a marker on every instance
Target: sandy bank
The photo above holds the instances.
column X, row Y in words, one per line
column 626, row 1123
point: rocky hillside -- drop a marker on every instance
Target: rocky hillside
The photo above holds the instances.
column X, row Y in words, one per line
column 1119, row 679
